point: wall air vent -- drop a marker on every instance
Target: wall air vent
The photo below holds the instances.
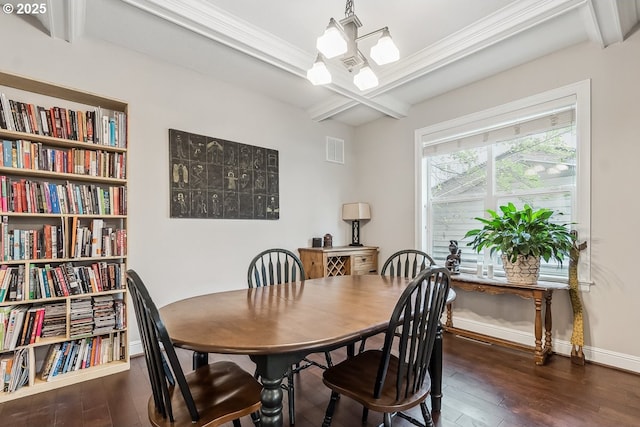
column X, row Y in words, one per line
column 335, row 150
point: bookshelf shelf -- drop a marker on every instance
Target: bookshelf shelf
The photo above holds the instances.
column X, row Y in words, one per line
column 63, row 211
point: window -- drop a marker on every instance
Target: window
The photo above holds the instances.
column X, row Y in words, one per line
column 534, row 151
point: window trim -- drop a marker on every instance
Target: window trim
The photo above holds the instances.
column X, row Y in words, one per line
column 459, row 126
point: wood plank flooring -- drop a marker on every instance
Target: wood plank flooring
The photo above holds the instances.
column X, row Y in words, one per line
column 483, row 386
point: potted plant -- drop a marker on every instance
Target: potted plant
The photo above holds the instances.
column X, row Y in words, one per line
column 523, row 236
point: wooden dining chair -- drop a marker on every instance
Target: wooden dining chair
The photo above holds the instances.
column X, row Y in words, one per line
column 406, row 263
column 396, row 378
column 211, row 395
column 272, row 267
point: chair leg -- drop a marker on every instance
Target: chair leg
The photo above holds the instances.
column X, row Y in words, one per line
column 387, row 420
column 327, row 356
column 290, row 394
column 236, row 423
column 255, row 417
column 428, row 421
column 362, row 344
column 330, row 409
column 365, row 415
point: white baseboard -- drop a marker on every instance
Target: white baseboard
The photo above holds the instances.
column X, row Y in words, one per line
column 592, row 354
column 135, row 348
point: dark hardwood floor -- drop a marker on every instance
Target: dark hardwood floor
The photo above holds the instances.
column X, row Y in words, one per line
column 483, row 386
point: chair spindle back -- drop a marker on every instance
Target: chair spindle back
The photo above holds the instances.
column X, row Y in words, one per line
column 416, row 316
column 406, row 263
column 162, row 375
column 274, row 266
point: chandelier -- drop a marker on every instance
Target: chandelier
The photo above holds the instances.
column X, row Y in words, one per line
column 341, row 38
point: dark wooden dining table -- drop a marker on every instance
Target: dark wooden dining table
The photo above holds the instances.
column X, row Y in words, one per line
column 279, row 325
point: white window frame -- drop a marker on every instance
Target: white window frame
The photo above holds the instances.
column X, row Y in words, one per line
column 507, row 113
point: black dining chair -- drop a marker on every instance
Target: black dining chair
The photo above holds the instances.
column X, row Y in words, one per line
column 406, row 263
column 211, row 395
column 396, row 378
column 277, row 266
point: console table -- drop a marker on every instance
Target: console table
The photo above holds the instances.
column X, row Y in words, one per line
column 538, row 292
column 339, row 261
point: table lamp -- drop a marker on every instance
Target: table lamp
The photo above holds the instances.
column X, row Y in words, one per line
column 354, row 212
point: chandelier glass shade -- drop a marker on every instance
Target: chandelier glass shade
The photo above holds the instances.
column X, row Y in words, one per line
column 318, row 74
column 341, row 39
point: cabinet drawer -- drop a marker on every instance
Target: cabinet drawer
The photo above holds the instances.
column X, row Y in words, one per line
column 364, row 263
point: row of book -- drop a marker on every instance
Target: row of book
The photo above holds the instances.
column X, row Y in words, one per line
column 97, row 126
column 14, row 371
column 97, row 239
column 23, row 195
column 18, row 244
column 83, row 353
column 94, row 240
column 22, row 325
column 97, row 315
column 23, row 154
column 59, row 281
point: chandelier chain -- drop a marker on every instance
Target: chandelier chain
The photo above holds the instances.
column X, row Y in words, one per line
column 348, row 9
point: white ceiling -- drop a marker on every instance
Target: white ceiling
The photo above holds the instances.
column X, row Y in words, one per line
column 267, row 46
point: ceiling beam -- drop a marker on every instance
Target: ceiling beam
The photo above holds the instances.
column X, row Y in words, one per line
column 611, row 21
column 204, row 18
column 503, row 24
column 64, row 19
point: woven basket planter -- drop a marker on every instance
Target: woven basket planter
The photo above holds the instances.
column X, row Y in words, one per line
column 524, row 271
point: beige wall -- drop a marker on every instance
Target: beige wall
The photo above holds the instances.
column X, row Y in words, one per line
column 612, row 304
column 183, row 257
column 180, row 257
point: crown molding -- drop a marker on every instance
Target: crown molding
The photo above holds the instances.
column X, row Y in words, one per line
column 64, row 19
column 501, row 25
column 201, row 17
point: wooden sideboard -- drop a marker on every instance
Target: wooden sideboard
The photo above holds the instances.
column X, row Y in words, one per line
column 339, row 261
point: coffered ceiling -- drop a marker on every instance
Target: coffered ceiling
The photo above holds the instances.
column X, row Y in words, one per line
column 267, row 46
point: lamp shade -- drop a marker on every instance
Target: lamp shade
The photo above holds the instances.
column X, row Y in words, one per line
column 319, row 74
column 385, row 51
column 366, row 78
column 356, row 211
column 332, row 43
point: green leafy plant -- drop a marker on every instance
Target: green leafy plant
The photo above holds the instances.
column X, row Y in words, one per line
column 524, row 232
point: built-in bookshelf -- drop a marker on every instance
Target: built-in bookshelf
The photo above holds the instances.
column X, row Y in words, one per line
column 63, row 236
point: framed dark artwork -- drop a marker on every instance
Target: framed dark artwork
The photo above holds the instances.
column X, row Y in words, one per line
column 220, row 179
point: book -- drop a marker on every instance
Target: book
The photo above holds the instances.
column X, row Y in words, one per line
column 32, row 320
column 96, row 237
column 20, row 312
column 49, row 359
column 56, row 361
column 74, row 236
column 6, row 110
column 39, row 323
column 72, row 279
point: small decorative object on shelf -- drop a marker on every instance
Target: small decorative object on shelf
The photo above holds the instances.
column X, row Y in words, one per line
column 316, row 242
column 479, row 269
column 453, row 259
column 328, row 240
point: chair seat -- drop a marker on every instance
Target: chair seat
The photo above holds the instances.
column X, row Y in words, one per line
column 355, row 378
column 222, row 392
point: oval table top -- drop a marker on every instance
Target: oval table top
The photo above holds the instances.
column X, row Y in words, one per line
column 312, row 315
